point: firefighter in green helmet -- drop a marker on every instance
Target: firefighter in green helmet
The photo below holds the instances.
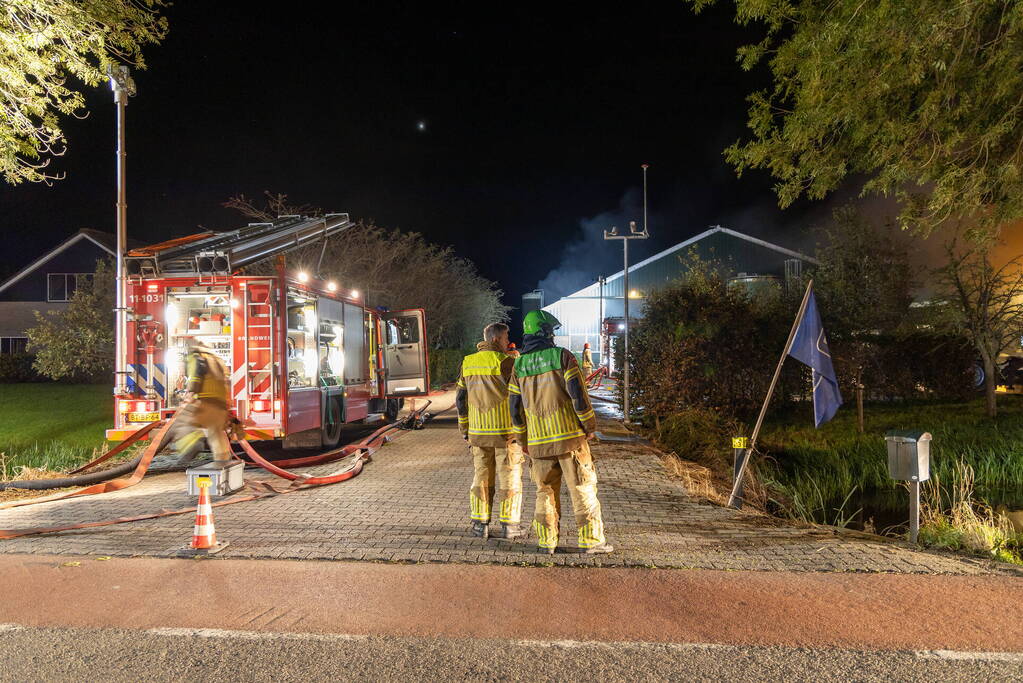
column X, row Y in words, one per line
column 553, row 420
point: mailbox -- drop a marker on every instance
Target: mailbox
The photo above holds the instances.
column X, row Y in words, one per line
column 909, row 455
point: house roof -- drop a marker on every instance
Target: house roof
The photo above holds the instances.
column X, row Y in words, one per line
column 104, row 240
column 696, row 238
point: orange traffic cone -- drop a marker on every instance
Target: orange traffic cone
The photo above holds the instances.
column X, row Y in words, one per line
column 204, row 537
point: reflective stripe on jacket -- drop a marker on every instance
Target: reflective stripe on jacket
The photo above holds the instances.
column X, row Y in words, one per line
column 207, row 377
column 482, row 397
column 551, row 411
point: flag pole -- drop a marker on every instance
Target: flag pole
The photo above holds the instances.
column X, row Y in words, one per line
column 737, row 484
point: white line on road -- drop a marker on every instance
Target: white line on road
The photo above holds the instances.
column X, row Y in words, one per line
column 947, row 655
column 620, row 644
column 250, row 635
column 956, row 655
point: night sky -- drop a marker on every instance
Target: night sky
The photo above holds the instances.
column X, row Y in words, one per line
column 506, row 131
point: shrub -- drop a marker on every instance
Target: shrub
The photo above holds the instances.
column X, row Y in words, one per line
column 703, row 344
column 445, row 365
column 17, row 367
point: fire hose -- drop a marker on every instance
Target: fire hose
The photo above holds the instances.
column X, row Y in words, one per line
column 92, row 477
column 365, row 448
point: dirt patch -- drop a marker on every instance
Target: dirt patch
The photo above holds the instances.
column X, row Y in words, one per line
column 31, row 474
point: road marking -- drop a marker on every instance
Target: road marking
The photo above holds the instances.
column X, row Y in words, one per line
column 946, row 655
column 250, row 635
column 956, row 655
column 620, row 644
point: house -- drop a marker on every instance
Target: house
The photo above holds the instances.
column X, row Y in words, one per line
column 753, row 263
column 47, row 284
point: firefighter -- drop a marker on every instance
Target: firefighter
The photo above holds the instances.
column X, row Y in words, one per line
column 483, row 419
column 553, row 420
column 204, row 413
column 587, row 361
column 512, row 351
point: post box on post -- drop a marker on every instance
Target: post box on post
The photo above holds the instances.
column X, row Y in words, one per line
column 909, row 459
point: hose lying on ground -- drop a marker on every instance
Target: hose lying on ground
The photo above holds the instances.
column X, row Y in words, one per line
column 92, row 477
column 79, row 480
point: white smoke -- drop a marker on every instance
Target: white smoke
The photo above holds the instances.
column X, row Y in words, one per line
column 589, row 255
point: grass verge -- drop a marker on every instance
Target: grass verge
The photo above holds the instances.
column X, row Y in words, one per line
column 952, row 519
column 55, row 427
column 814, row 469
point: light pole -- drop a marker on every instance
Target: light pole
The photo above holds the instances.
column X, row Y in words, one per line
column 124, row 87
column 633, row 235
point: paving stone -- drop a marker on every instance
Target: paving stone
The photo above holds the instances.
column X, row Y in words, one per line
column 410, row 504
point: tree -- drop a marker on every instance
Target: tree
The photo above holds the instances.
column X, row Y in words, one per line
column 864, row 285
column 398, row 270
column 45, row 43
column 78, row 343
column 924, row 99
column 985, row 303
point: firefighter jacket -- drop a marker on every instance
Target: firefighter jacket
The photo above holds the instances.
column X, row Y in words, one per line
column 207, row 377
column 482, row 397
column 551, row 411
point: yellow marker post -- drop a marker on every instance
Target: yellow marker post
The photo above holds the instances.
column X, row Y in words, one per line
column 739, row 446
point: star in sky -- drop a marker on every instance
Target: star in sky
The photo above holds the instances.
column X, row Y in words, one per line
column 421, row 126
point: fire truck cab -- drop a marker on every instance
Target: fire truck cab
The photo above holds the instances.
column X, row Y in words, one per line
column 304, row 355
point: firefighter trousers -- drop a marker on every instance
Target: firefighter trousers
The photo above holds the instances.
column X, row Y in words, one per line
column 505, row 466
column 576, row 468
column 202, row 419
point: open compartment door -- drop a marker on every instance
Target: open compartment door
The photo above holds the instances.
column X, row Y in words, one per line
column 405, row 353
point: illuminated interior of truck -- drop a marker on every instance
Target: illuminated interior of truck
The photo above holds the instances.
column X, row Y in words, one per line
column 199, row 317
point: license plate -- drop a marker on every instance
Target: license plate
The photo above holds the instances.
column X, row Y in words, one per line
column 143, row 417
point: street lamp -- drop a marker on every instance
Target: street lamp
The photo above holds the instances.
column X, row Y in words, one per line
column 123, row 86
column 634, row 234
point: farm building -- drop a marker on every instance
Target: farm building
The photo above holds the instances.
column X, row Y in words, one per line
column 753, row 263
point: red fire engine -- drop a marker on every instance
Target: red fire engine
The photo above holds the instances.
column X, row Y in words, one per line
column 304, row 355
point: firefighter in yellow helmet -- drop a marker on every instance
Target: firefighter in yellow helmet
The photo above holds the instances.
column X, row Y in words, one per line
column 205, row 412
column 587, row 361
column 554, row 419
column 484, row 420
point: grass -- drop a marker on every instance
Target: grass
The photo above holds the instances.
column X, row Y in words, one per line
column 952, row 519
column 827, row 464
column 52, row 426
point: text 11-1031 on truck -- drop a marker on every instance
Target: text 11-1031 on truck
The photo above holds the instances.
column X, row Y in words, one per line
column 304, row 356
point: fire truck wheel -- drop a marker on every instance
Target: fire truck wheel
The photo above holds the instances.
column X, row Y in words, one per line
column 393, row 408
column 332, row 425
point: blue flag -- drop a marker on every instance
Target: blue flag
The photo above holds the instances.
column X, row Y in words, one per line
column 810, row 347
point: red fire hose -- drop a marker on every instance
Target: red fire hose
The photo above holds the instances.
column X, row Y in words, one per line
column 365, row 448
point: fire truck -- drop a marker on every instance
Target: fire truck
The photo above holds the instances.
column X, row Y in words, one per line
column 305, row 355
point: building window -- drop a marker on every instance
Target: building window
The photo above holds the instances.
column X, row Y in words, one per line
column 13, row 345
column 62, row 286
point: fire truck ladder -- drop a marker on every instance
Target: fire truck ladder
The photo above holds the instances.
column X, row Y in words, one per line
column 260, row 311
column 224, row 253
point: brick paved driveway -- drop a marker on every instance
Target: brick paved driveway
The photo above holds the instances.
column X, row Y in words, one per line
column 410, row 504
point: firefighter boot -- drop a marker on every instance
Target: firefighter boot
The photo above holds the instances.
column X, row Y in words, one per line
column 480, row 529
column 602, row 549
column 511, row 531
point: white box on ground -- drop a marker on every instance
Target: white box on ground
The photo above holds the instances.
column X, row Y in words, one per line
column 225, row 477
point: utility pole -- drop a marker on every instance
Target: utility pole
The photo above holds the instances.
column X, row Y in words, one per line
column 600, row 327
column 124, row 87
column 634, row 234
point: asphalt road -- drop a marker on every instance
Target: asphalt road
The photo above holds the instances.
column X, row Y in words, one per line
column 64, row 618
column 53, row 654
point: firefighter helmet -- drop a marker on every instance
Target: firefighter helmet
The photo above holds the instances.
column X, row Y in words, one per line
column 540, row 322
